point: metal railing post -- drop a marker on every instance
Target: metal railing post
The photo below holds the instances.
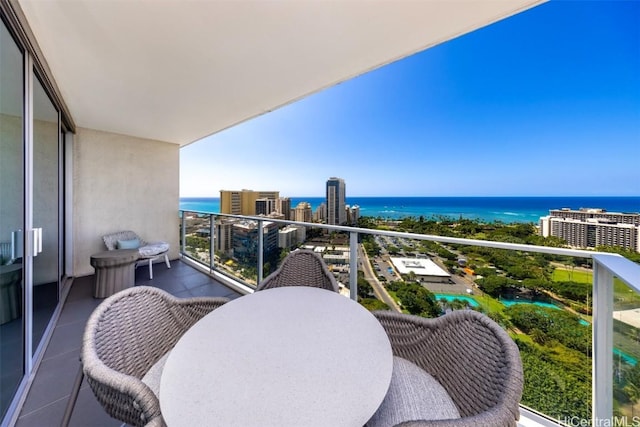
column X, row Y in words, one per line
column 183, row 233
column 212, row 243
column 353, row 265
column 260, row 251
column 602, row 358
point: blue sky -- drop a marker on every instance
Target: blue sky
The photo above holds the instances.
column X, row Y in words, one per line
column 546, row 103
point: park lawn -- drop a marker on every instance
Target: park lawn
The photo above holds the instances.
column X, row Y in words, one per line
column 489, row 303
column 564, row 275
column 622, row 293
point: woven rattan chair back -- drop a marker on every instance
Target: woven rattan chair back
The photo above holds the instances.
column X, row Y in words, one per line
column 470, row 355
column 125, row 336
column 301, row 268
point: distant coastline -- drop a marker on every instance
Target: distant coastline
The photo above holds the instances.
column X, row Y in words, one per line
column 505, row 209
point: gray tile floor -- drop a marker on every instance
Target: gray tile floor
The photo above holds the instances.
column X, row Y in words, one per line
column 52, row 385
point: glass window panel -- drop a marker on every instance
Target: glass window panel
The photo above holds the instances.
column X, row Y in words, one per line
column 11, row 218
column 46, row 164
column 626, row 352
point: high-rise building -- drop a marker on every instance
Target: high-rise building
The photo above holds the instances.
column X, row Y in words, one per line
column 243, row 202
column 336, row 195
column 291, row 236
column 320, row 214
column 583, row 214
column 265, row 206
column 303, row 213
column 224, row 235
column 283, row 206
column 245, row 242
column 590, row 228
column 353, row 213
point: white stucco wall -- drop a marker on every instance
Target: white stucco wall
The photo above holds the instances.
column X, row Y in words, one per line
column 122, row 183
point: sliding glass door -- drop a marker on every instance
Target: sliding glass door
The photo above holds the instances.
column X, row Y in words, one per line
column 11, row 218
column 30, row 218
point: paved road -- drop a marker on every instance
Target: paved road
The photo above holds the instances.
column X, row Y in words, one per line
column 370, row 275
column 457, row 280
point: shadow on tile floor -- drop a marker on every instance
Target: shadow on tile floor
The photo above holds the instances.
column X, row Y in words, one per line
column 49, row 393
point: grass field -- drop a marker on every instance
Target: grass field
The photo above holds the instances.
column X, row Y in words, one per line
column 623, row 295
column 563, row 275
column 489, row 303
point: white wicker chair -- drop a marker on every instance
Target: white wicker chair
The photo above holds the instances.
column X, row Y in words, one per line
column 149, row 252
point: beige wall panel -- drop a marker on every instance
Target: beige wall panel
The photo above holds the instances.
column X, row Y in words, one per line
column 123, row 183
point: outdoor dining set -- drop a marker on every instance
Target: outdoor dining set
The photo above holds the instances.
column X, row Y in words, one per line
column 295, row 353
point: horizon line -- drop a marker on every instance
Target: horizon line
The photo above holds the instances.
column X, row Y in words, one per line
column 444, row 197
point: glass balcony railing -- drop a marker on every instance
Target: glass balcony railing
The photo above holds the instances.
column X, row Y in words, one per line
column 626, row 352
column 196, row 236
column 574, row 314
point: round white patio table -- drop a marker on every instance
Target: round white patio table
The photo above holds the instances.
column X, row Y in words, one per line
column 291, row 356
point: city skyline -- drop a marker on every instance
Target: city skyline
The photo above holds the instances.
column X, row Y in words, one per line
column 545, row 103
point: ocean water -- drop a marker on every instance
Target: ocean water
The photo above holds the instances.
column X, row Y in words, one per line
column 505, row 209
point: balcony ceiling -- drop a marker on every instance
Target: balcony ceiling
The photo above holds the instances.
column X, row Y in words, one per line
column 178, row 71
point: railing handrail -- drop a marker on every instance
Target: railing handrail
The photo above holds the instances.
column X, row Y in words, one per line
column 582, row 253
column 619, row 266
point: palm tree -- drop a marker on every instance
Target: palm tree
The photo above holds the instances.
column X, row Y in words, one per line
column 412, row 276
